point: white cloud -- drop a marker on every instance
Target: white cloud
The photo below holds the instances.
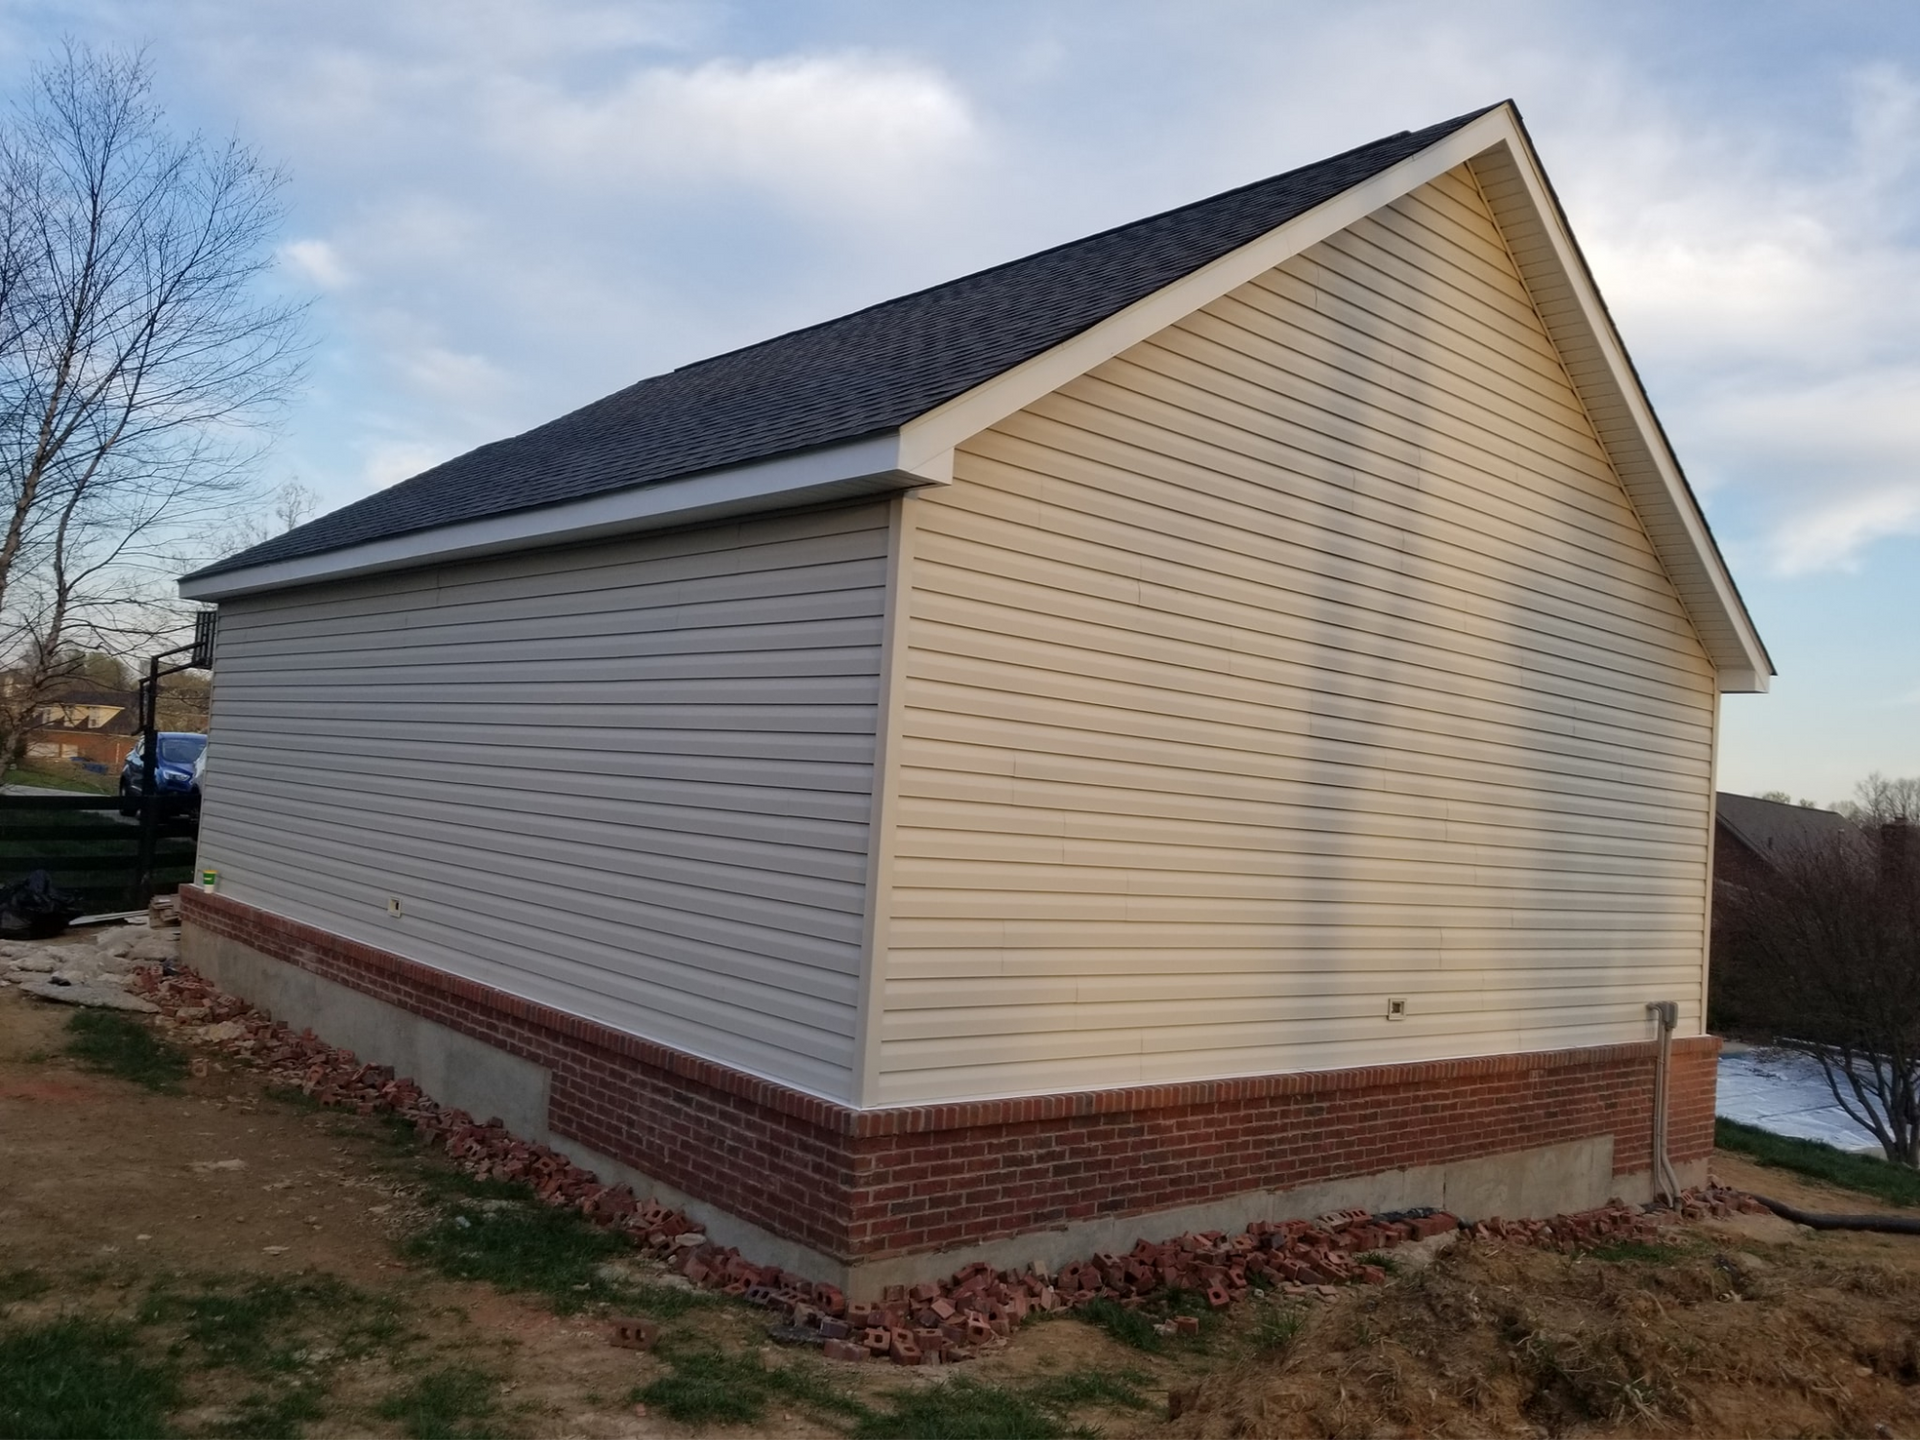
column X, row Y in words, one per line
column 455, row 378
column 389, row 461
column 318, row 262
column 846, row 127
column 526, row 203
column 1834, row 463
column 1781, row 305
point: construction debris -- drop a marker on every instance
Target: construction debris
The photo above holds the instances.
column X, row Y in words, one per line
column 929, row 1323
column 87, row 975
column 70, row 993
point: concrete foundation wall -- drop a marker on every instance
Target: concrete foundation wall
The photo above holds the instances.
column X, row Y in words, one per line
column 455, row 1070
column 823, row 1190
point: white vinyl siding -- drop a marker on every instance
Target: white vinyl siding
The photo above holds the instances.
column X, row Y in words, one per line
column 1305, row 655
column 629, row 780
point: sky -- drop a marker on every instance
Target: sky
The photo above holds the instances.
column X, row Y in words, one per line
column 504, row 210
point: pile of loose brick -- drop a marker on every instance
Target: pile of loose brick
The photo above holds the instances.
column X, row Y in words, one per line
column 1616, row 1222
column 932, row 1322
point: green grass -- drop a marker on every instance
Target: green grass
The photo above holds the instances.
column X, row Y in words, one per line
column 1650, row 1253
column 276, row 1325
column 513, row 1242
column 455, row 1400
column 80, row 1377
column 1129, row 1326
column 1135, row 1325
column 708, row 1386
column 66, row 778
column 277, row 1412
column 963, row 1406
column 1090, row 1386
column 118, row 1045
column 25, row 1284
column 1869, row 1175
column 1277, row 1327
column 274, row 1342
column 504, row 1235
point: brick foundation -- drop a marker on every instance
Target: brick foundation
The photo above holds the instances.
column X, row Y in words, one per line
column 864, row 1186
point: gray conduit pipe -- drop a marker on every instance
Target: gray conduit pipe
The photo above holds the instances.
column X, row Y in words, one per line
column 1820, row 1221
column 1666, row 1015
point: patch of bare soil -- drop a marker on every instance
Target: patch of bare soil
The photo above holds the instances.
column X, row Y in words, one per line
column 117, row 1202
column 1749, row 1328
column 119, row 1198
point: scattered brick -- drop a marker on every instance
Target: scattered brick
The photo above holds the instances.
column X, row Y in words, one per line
column 932, row 1320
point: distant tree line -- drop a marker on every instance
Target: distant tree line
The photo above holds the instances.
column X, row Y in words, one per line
column 1875, row 799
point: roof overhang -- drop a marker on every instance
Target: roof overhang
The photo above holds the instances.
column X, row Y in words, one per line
column 1497, row 149
column 865, row 467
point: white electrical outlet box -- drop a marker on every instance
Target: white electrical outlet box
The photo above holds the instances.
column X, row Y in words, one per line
column 1396, row 1008
column 393, row 905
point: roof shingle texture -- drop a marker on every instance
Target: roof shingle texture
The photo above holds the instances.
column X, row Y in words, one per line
column 860, row 375
column 1777, row 832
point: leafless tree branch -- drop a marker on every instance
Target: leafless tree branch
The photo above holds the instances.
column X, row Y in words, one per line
column 141, row 363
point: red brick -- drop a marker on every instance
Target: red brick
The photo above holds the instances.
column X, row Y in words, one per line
column 913, row 1179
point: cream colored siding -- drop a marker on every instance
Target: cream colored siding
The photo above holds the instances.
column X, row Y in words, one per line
column 631, row 780
column 1305, row 655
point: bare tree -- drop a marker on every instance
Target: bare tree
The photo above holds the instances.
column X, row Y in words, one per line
column 139, row 362
column 1879, row 799
column 1825, row 953
column 289, row 505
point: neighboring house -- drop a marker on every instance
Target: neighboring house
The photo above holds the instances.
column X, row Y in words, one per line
column 1754, row 838
column 1212, row 720
column 80, row 721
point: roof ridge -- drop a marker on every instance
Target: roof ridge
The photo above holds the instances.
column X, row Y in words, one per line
column 1086, row 239
column 862, row 373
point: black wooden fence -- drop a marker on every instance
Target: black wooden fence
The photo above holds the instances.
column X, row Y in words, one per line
column 112, row 862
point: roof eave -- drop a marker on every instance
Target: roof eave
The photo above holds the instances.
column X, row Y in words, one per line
column 870, row 465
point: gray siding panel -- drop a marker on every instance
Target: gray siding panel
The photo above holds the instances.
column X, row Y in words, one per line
column 632, row 781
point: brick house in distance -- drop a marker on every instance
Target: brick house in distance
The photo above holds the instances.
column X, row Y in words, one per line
column 1752, row 839
column 1213, row 720
column 81, row 721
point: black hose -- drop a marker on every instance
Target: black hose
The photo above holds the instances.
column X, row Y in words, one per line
column 1820, row 1221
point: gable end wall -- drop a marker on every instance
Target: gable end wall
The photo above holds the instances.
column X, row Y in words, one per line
column 1305, row 655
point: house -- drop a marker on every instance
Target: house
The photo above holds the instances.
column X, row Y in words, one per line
column 1209, row 721
column 1753, row 838
column 81, row 721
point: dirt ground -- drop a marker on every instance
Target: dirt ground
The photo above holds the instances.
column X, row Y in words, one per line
column 154, row 1210
column 109, row 1191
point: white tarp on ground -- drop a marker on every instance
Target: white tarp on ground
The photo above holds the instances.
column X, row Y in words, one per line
column 1786, row 1093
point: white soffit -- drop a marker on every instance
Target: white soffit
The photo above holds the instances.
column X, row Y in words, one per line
column 869, row 466
column 1497, row 149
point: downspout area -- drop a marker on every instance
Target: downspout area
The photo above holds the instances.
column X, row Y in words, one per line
column 1666, row 1183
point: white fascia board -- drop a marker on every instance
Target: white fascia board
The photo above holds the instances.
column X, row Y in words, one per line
column 945, row 426
column 870, row 466
column 930, row 439
column 1743, row 666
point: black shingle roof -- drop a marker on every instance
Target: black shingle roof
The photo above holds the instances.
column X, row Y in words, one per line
column 863, row 374
column 1777, row 831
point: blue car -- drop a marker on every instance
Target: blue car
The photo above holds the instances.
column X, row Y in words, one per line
column 176, row 771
